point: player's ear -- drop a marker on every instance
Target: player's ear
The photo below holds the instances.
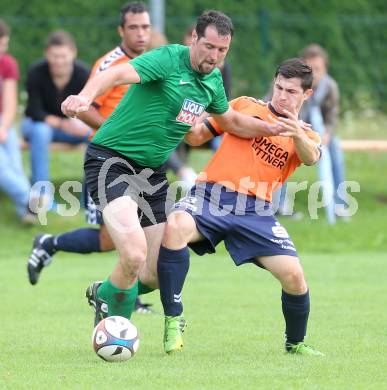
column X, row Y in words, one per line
column 120, row 31
column 194, row 36
column 308, row 93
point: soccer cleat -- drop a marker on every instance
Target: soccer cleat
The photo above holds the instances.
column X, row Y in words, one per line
column 39, row 258
column 100, row 307
column 173, row 333
column 302, row 349
column 143, row 308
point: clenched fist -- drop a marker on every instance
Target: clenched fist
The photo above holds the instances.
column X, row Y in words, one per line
column 75, row 104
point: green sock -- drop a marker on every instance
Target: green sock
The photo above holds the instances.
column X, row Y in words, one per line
column 120, row 302
column 143, row 288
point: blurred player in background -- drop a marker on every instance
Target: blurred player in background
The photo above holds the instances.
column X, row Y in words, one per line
column 174, row 85
column 232, row 203
column 134, row 30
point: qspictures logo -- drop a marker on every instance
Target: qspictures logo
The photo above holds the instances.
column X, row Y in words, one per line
column 190, row 110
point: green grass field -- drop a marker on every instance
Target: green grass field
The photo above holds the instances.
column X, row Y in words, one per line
column 235, row 329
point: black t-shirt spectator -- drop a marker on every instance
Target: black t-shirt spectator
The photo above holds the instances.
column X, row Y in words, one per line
column 43, row 96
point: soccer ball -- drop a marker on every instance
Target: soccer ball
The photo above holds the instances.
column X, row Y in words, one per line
column 115, row 339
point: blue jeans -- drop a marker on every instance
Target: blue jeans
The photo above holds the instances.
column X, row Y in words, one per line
column 337, row 165
column 331, row 164
column 39, row 135
column 13, row 180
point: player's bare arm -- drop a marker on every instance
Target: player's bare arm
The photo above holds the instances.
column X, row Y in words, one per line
column 245, row 126
column 98, row 85
column 92, row 117
column 198, row 135
column 307, row 149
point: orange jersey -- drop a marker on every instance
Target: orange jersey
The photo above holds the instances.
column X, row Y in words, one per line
column 256, row 166
column 107, row 102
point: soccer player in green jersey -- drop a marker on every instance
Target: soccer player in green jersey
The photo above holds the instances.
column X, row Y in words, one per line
column 173, row 86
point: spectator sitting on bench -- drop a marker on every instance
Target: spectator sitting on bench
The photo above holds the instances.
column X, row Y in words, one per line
column 48, row 82
column 13, row 180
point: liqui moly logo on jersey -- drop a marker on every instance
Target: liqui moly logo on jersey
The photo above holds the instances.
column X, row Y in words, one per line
column 190, row 110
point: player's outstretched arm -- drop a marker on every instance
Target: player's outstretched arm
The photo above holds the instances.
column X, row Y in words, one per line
column 198, row 135
column 245, row 126
column 92, row 117
column 98, row 85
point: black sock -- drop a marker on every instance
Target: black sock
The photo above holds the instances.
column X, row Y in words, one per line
column 84, row 240
column 296, row 312
column 172, row 268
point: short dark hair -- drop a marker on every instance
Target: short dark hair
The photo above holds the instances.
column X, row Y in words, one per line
column 219, row 20
column 314, row 50
column 296, row 68
column 60, row 38
column 4, row 29
column 135, row 7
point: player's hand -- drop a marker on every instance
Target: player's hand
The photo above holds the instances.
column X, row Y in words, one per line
column 305, row 125
column 274, row 129
column 290, row 126
column 75, row 104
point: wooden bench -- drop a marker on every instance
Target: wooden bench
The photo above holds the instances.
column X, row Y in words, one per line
column 364, row 145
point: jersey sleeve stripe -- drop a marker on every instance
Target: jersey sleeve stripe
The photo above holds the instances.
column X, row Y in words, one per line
column 211, row 128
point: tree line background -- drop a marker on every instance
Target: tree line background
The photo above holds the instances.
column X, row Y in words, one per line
column 354, row 32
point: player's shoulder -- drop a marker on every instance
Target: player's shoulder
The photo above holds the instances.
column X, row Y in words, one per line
column 175, row 47
column 172, row 49
column 175, row 51
column 112, row 57
column 250, row 106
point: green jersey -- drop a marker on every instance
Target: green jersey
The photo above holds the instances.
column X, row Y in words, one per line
column 154, row 115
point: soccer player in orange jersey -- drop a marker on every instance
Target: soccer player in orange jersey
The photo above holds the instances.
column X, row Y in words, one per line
column 231, row 202
column 134, row 30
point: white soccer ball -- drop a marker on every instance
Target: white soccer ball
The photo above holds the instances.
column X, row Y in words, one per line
column 115, row 339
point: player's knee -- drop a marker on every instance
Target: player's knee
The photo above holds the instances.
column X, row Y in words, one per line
column 133, row 256
column 177, row 230
column 293, row 281
column 137, row 258
column 42, row 132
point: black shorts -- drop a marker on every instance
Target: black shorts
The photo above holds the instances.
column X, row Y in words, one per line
column 110, row 175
